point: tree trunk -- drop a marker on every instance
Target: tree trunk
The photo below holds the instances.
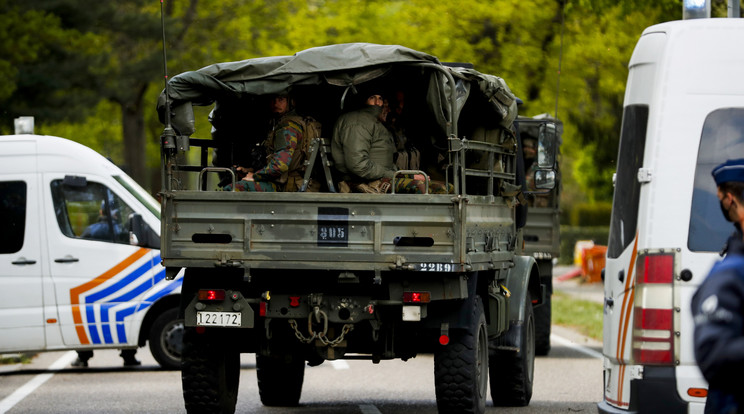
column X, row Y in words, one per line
column 133, row 123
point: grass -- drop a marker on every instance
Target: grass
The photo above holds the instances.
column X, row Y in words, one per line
column 581, row 315
column 6, row 359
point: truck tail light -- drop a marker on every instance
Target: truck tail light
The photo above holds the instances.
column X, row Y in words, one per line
column 211, row 294
column 416, row 297
column 653, row 314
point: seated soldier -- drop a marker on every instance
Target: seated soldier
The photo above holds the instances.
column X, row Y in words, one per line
column 363, row 148
column 283, row 146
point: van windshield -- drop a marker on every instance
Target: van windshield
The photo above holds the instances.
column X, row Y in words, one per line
column 723, row 135
column 629, row 160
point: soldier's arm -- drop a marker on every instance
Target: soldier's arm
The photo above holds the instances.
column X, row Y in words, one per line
column 286, row 139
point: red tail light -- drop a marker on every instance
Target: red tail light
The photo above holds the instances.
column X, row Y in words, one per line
column 211, row 294
column 656, row 268
column 653, row 315
column 416, row 297
column 653, row 336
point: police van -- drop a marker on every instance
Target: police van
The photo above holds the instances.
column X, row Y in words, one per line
column 683, row 115
column 79, row 254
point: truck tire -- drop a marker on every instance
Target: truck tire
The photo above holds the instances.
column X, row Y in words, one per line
column 460, row 368
column 280, row 380
column 512, row 372
column 542, row 326
column 210, row 372
column 166, row 339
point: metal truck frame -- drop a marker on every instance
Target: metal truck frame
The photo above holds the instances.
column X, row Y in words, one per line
column 312, row 276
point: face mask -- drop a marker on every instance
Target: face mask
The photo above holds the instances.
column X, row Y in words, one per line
column 724, row 211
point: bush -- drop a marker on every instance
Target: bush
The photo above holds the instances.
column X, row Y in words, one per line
column 590, row 215
column 571, row 234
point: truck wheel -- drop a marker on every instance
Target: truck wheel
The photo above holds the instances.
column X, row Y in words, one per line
column 166, row 339
column 542, row 327
column 210, row 372
column 460, row 368
column 280, row 379
column 512, row 372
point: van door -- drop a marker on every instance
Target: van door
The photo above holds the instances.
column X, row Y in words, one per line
column 619, row 275
column 21, row 265
column 99, row 278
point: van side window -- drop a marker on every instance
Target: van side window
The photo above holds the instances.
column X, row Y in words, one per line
column 92, row 212
column 627, row 188
column 722, row 138
column 12, row 215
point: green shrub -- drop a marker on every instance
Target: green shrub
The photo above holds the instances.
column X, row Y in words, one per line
column 590, row 215
column 571, row 234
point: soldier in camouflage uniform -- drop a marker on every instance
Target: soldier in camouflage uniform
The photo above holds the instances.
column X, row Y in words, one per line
column 282, row 145
column 363, row 148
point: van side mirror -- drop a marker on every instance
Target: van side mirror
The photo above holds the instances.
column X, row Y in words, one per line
column 546, row 146
column 140, row 234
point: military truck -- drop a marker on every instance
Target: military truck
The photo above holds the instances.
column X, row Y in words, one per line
column 299, row 278
column 542, row 230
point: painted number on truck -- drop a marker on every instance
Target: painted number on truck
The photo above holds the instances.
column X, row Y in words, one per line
column 333, row 227
column 435, row 267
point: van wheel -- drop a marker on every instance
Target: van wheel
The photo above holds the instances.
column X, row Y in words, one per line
column 210, row 372
column 542, row 327
column 512, row 372
column 166, row 339
column 460, row 368
column 280, row 379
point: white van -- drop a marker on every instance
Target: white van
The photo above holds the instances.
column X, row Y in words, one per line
column 683, row 115
column 79, row 255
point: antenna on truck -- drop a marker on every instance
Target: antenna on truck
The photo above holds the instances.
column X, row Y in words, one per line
column 560, row 60
column 168, row 139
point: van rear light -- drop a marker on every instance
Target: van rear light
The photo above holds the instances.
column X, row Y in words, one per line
column 656, row 268
column 653, row 336
column 211, row 294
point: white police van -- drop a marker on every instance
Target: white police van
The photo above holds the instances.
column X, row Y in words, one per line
column 683, row 115
column 79, row 254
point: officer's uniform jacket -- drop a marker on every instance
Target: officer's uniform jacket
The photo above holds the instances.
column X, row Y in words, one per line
column 718, row 309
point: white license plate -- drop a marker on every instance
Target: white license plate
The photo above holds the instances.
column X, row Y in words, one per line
column 218, row 319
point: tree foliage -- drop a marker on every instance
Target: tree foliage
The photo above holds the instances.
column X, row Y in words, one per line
column 92, row 70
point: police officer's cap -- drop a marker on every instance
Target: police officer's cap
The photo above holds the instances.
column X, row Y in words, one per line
column 731, row 170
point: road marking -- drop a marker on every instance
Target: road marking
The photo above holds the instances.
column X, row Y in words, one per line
column 340, row 364
column 584, row 350
column 36, row 382
column 369, row 409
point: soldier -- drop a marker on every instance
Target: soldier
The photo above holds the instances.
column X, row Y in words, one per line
column 363, row 149
column 718, row 305
column 282, row 144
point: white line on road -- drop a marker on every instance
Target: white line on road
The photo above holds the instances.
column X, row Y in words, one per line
column 584, row 350
column 29, row 387
column 340, row 364
column 369, row 409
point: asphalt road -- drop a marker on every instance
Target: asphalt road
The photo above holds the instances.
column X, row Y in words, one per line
column 568, row 380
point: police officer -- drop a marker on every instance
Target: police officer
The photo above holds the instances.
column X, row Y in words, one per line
column 718, row 305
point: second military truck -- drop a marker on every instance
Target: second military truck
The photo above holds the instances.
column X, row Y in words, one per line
column 303, row 277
